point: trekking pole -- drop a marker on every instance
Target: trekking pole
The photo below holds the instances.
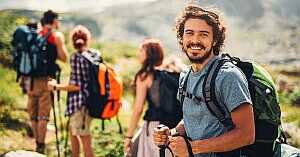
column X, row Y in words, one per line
column 162, row 148
column 55, row 125
column 67, row 138
column 59, row 108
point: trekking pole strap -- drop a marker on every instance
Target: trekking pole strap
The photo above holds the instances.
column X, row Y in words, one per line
column 162, row 150
column 188, row 145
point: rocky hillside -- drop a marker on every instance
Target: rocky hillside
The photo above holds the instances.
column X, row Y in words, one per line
column 265, row 31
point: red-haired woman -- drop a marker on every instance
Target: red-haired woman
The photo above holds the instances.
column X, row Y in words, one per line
column 77, row 92
column 151, row 57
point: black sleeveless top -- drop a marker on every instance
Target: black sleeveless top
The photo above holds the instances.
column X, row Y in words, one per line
column 152, row 98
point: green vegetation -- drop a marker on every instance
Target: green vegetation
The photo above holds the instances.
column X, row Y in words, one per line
column 14, row 121
column 293, row 114
column 295, row 97
column 13, row 117
column 8, row 24
column 289, row 107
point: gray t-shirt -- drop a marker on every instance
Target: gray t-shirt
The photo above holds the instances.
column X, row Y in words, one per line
column 231, row 90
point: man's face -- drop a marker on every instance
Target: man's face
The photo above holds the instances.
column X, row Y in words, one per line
column 197, row 40
column 56, row 23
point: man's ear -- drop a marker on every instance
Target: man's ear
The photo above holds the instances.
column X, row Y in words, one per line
column 214, row 44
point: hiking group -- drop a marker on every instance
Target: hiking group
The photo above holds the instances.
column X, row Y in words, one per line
column 219, row 106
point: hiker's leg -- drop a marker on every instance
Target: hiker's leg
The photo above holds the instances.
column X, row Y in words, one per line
column 75, row 146
column 87, row 145
column 83, row 130
column 32, row 108
column 45, row 103
column 75, row 127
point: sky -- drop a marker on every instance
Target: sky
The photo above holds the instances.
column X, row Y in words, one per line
column 64, row 5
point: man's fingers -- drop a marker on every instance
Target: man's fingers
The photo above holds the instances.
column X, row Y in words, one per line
column 160, row 143
column 160, row 138
column 172, row 139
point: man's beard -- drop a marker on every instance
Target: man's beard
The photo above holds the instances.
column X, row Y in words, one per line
column 200, row 59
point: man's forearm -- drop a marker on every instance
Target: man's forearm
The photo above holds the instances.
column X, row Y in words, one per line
column 229, row 141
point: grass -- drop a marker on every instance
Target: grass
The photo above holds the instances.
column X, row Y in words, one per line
column 292, row 114
column 13, row 117
column 14, row 122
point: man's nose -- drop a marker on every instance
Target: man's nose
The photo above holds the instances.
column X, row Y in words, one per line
column 196, row 38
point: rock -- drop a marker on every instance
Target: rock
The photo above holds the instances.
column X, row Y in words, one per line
column 296, row 102
column 284, row 86
column 292, row 131
column 23, row 153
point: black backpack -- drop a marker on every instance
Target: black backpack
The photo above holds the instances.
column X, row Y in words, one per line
column 32, row 54
column 169, row 106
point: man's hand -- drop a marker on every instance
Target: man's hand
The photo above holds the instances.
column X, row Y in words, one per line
column 160, row 135
column 178, row 146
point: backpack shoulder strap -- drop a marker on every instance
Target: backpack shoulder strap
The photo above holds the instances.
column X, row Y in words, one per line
column 92, row 57
column 183, row 85
column 44, row 38
column 95, row 59
column 96, row 54
column 210, row 95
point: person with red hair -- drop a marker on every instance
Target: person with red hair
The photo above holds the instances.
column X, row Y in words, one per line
column 77, row 92
column 151, row 55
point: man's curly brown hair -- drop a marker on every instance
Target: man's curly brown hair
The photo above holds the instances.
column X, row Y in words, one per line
column 211, row 18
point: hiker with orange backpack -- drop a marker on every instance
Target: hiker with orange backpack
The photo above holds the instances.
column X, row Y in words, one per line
column 151, row 57
column 80, row 120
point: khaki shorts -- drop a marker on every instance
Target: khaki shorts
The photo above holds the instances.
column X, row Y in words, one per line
column 39, row 100
column 80, row 122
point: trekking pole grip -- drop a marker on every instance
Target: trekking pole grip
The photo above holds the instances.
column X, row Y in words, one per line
column 162, row 129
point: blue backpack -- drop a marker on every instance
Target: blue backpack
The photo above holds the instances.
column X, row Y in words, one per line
column 32, row 54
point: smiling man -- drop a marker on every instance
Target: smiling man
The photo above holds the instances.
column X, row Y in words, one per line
column 201, row 35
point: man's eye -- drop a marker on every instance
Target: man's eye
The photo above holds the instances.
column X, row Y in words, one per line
column 188, row 33
column 205, row 35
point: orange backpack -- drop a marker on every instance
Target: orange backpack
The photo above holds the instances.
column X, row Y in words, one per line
column 105, row 89
column 110, row 84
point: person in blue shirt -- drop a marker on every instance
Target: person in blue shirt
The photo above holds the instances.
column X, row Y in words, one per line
column 201, row 35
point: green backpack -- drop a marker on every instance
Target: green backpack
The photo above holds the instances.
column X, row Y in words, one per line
column 264, row 98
